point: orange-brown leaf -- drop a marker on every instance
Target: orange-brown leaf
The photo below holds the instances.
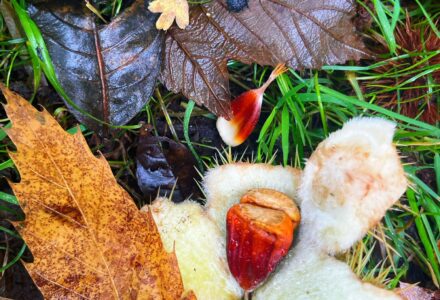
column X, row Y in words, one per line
column 87, row 237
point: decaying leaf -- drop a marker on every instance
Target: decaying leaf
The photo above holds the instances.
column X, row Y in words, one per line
column 87, row 237
column 164, row 166
column 302, row 34
column 170, row 10
column 108, row 70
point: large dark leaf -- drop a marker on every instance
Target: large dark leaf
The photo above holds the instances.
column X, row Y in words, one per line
column 164, row 166
column 304, row 34
column 108, row 70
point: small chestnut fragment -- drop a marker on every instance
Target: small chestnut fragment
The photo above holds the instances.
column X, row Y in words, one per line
column 246, row 110
column 259, row 235
column 272, row 199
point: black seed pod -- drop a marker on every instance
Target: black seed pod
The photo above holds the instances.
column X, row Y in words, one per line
column 237, row 5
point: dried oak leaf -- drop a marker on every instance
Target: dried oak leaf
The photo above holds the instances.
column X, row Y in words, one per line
column 170, row 10
column 302, row 34
column 88, row 239
column 108, row 70
column 164, row 166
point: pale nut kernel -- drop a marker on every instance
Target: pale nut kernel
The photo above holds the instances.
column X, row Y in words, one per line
column 273, row 199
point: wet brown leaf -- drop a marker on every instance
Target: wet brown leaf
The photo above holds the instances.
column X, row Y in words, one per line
column 164, row 166
column 108, row 70
column 304, row 34
column 87, row 237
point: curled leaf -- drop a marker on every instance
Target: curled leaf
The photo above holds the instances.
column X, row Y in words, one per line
column 165, row 167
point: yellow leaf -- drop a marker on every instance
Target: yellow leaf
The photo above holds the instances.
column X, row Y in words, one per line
column 87, row 237
column 170, row 10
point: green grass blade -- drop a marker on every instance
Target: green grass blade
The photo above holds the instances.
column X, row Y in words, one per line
column 435, row 131
column 6, row 164
column 285, row 128
column 16, row 258
column 423, row 234
column 269, row 120
column 428, row 18
column 396, row 14
column 424, row 187
column 437, row 171
column 9, row 232
column 385, row 25
column 186, row 119
column 321, row 108
column 8, row 198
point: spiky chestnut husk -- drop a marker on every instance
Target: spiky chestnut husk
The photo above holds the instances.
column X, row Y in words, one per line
column 307, row 272
column 237, row 5
column 200, row 248
column 413, row 99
